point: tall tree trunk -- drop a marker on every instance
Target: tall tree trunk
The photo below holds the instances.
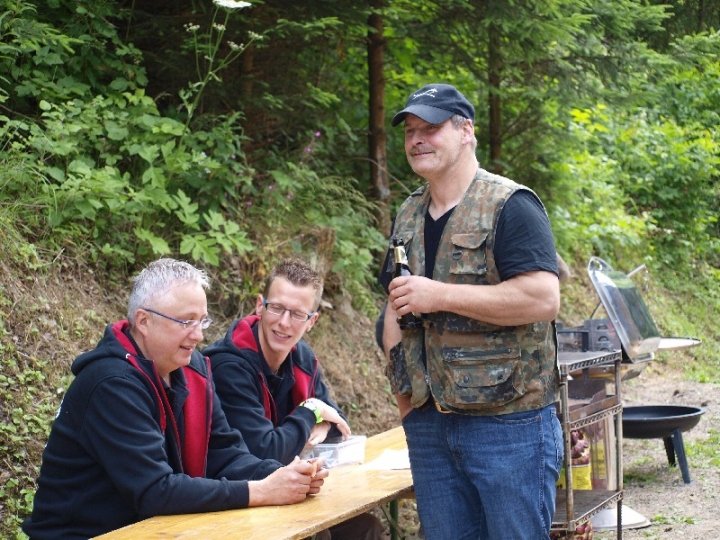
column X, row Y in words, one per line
column 494, row 114
column 377, row 135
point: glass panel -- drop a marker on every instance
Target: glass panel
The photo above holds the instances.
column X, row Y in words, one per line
column 627, row 310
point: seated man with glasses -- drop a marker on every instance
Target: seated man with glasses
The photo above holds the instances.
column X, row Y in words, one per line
column 141, row 432
column 271, row 385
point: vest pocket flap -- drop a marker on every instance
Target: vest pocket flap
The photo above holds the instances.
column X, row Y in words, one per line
column 468, row 256
column 481, row 366
column 468, row 240
column 482, row 376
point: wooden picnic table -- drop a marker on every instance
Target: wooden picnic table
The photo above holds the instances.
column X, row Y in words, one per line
column 348, row 491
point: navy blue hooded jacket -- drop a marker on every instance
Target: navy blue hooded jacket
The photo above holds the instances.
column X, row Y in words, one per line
column 109, row 462
column 263, row 406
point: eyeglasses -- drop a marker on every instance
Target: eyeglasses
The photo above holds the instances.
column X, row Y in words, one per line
column 204, row 323
column 279, row 310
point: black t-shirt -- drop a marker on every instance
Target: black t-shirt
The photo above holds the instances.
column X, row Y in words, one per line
column 523, row 240
column 433, row 232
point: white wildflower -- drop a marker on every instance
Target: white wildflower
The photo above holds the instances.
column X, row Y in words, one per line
column 219, row 27
column 232, row 4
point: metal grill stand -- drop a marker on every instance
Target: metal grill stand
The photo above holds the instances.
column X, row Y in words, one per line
column 574, row 507
column 630, row 331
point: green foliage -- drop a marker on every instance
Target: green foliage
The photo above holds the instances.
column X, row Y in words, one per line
column 641, row 478
column 589, row 209
column 211, row 57
column 22, row 384
column 123, row 182
column 529, row 57
column 116, row 179
column 62, row 50
column 27, row 406
column 652, row 173
column 668, row 520
column 303, row 204
column 687, row 305
column 688, row 94
column 671, row 177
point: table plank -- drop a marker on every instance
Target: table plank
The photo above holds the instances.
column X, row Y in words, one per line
column 348, row 491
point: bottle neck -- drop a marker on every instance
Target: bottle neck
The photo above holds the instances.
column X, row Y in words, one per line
column 400, row 256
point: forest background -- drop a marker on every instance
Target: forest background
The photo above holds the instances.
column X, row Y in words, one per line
column 233, row 134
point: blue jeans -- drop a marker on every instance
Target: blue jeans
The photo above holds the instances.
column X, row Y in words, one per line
column 485, row 477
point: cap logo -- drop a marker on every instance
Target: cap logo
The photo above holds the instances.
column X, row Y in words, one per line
column 430, row 93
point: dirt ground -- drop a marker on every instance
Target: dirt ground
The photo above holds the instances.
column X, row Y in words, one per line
column 652, row 487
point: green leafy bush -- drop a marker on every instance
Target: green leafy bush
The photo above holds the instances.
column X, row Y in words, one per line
column 121, row 182
column 590, row 212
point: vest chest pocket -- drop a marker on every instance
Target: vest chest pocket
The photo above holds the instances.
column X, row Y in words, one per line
column 468, row 255
column 482, row 378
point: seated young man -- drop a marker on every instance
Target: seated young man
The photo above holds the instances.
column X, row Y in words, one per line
column 270, row 383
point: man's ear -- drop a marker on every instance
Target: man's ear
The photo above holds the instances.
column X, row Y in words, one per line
column 468, row 129
column 142, row 320
column 259, row 305
column 311, row 321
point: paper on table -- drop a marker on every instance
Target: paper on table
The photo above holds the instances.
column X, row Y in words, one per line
column 390, row 460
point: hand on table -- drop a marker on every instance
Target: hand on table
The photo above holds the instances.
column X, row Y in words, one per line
column 290, row 484
column 317, row 474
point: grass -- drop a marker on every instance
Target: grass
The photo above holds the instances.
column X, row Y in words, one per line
column 639, row 477
column 689, row 308
column 664, row 520
column 706, row 450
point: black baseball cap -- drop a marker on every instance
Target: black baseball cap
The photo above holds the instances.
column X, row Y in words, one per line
column 435, row 103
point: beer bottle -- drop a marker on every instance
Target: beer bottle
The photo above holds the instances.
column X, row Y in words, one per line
column 409, row 320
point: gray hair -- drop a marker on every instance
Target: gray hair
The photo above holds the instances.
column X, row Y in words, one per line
column 458, row 121
column 158, row 278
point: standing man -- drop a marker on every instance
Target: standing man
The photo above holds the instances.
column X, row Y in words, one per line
column 270, row 383
column 141, row 432
column 476, row 383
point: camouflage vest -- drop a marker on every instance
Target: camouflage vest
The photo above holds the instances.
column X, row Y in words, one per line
column 473, row 367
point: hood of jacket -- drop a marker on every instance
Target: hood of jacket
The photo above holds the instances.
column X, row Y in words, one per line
column 114, row 343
